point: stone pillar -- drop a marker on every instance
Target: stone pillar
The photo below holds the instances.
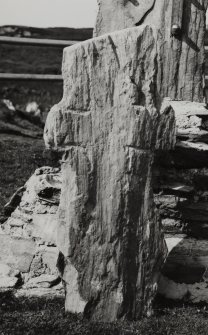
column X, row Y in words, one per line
column 180, row 49
column 108, row 125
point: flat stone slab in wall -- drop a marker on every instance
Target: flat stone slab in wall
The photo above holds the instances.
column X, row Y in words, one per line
column 185, row 276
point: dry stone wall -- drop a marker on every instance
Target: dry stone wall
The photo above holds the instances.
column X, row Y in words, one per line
column 180, row 184
column 29, row 253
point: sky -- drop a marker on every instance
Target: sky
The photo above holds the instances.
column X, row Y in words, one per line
column 48, row 13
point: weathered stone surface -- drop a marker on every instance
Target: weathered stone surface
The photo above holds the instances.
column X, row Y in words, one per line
column 6, row 270
column 182, row 203
column 56, row 291
column 120, row 14
column 181, row 64
column 9, row 276
column 191, row 120
column 8, row 282
column 74, row 301
column 35, row 216
column 17, row 252
column 49, row 258
column 44, row 281
column 108, row 125
column 44, row 261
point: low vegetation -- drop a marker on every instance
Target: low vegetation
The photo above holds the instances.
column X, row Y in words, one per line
column 44, row 316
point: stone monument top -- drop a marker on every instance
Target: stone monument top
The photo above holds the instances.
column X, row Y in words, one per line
column 120, row 14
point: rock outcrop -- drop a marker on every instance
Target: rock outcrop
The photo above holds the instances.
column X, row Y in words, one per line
column 29, row 254
column 107, row 126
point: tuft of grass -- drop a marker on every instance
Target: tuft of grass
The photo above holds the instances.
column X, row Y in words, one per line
column 44, row 316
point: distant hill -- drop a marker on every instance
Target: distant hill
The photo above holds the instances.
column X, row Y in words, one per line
column 59, row 33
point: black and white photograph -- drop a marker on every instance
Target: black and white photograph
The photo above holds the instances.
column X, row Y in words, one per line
column 103, row 167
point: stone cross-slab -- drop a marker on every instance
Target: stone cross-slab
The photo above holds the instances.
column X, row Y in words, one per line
column 108, row 125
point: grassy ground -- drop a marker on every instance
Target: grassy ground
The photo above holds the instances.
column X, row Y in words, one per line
column 30, row 59
column 19, row 157
column 44, row 316
column 37, row 59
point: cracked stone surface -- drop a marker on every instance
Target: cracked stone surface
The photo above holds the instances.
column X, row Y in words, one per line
column 108, row 125
column 120, row 14
column 181, row 64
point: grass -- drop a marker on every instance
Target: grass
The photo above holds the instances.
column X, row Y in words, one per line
column 19, row 157
column 47, row 316
column 30, row 59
